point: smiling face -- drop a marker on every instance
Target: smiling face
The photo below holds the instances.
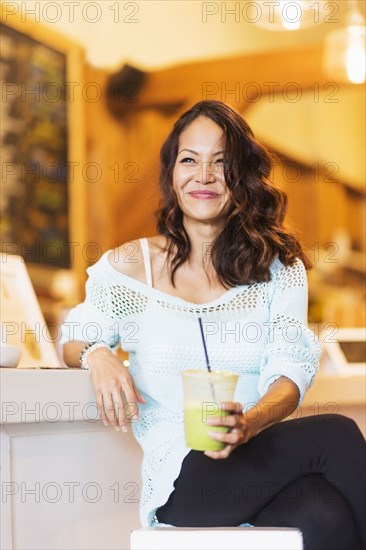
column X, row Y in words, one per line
column 198, row 175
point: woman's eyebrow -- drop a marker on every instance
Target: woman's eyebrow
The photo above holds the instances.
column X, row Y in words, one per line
column 195, row 153
column 189, row 150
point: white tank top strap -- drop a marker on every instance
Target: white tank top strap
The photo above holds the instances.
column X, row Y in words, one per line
column 146, row 256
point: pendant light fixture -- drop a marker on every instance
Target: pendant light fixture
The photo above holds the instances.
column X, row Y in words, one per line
column 344, row 56
column 286, row 15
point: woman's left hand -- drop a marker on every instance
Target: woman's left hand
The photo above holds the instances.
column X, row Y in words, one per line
column 241, row 429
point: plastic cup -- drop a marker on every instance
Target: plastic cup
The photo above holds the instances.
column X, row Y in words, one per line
column 204, row 392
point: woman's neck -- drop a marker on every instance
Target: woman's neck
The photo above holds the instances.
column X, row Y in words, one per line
column 201, row 236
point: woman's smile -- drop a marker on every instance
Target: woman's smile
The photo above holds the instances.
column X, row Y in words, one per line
column 203, row 195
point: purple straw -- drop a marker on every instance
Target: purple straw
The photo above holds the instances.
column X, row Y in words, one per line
column 207, row 360
column 204, row 345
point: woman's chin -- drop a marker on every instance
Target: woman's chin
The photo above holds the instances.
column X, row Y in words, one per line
column 216, row 222
column 204, row 215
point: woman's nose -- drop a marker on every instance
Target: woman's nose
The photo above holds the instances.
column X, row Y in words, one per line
column 206, row 172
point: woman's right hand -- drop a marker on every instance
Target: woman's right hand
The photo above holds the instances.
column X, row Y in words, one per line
column 109, row 378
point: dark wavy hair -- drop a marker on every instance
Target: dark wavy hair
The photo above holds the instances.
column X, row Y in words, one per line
column 253, row 235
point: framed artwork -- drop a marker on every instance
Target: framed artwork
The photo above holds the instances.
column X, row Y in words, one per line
column 43, row 199
column 22, row 322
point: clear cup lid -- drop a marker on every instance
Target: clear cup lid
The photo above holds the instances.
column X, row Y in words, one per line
column 214, row 375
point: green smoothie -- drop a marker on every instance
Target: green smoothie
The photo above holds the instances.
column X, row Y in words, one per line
column 196, row 429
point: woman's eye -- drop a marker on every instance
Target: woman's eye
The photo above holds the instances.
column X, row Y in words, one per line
column 187, row 159
column 190, row 160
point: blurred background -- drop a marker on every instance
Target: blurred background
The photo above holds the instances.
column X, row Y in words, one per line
column 91, row 89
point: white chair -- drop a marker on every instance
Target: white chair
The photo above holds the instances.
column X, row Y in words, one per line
column 217, row 538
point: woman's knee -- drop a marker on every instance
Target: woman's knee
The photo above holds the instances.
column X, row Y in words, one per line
column 339, row 425
column 340, row 420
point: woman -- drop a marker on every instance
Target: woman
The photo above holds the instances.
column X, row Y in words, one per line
column 221, row 254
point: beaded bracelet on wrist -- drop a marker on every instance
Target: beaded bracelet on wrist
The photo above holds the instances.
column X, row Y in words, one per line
column 87, row 350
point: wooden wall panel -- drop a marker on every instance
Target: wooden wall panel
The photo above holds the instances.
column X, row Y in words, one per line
column 299, row 183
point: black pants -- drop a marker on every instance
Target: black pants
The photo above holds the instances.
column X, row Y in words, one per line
column 307, row 473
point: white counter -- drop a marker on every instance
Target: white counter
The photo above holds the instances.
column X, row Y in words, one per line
column 67, row 480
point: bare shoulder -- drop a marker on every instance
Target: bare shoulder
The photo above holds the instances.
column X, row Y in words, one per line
column 128, row 259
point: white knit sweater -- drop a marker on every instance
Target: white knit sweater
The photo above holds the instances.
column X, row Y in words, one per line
column 257, row 330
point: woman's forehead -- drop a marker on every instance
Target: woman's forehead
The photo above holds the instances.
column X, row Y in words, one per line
column 202, row 132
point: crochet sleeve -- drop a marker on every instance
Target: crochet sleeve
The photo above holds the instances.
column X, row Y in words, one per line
column 292, row 349
column 92, row 320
